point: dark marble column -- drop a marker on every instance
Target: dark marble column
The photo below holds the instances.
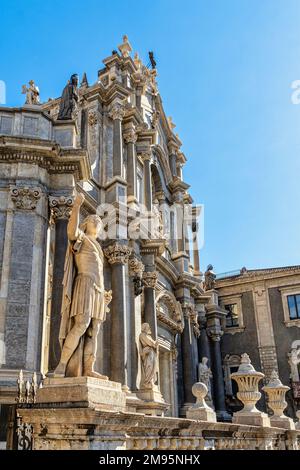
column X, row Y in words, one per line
column 118, row 256
column 136, row 269
column 130, row 138
column 203, row 342
column 117, row 113
column 189, row 359
column 147, row 180
column 149, row 281
column 218, row 378
column 60, row 207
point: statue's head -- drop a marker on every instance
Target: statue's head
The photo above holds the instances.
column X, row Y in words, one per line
column 74, row 79
column 92, row 225
column 204, row 360
column 146, row 328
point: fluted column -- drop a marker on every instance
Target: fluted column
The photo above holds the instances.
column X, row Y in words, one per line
column 130, row 138
column 117, row 112
column 60, row 207
column 118, row 256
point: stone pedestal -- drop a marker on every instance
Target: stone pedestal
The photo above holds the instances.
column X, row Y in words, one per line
column 200, row 410
column 255, row 418
column 282, row 422
column 83, row 392
column 152, row 402
column 65, row 133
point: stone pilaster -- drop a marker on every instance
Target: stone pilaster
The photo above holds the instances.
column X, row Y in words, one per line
column 149, row 281
column 24, row 301
column 60, row 209
column 118, row 256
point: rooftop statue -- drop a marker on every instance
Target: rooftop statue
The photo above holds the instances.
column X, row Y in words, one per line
column 69, row 99
column 32, row 93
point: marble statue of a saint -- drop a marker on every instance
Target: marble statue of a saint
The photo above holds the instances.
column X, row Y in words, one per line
column 69, row 99
column 209, row 278
column 205, row 375
column 32, row 93
column 148, row 354
column 84, row 303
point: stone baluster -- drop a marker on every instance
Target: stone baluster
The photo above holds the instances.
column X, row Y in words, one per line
column 117, row 112
column 60, row 208
column 118, row 256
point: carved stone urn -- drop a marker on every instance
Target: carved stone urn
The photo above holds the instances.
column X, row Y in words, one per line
column 276, row 391
column 247, row 379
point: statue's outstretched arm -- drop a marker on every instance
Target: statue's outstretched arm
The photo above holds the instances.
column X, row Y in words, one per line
column 73, row 225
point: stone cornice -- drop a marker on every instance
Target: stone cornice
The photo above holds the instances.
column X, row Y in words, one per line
column 46, row 154
column 166, row 267
column 258, row 275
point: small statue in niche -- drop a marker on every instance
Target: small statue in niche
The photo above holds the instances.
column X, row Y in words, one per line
column 32, row 93
column 205, row 375
column 148, row 353
column 69, row 100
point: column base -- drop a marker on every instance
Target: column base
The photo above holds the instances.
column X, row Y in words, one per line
column 152, row 402
column 84, row 392
column 282, row 422
column 255, row 418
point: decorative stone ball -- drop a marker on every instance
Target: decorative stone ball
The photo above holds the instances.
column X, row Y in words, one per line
column 199, row 390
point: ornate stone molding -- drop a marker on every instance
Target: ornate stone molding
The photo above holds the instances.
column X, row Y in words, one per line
column 130, row 136
column 117, row 254
column 93, row 118
column 136, row 267
column 173, row 317
column 215, row 333
column 60, row 206
column 117, row 111
column 25, row 198
column 150, row 279
column 146, row 156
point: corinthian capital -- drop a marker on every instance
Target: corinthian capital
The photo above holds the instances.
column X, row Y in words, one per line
column 117, row 254
column 25, row 198
column 150, row 279
column 130, row 135
column 60, row 206
column 146, row 155
column 117, row 111
column 136, row 267
column 215, row 333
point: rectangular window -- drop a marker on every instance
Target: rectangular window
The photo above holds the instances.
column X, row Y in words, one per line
column 232, row 318
column 294, row 306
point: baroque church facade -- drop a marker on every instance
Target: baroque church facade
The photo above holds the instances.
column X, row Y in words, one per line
column 120, row 151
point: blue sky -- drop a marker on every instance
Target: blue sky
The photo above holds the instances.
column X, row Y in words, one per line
column 225, row 72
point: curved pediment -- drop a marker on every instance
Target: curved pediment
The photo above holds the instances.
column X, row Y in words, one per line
column 169, row 311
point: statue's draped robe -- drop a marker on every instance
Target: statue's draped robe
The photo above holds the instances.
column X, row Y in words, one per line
column 68, row 102
column 83, row 292
column 148, row 354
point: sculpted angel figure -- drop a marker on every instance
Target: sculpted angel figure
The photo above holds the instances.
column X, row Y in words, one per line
column 148, row 353
column 84, row 303
column 32, row 93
